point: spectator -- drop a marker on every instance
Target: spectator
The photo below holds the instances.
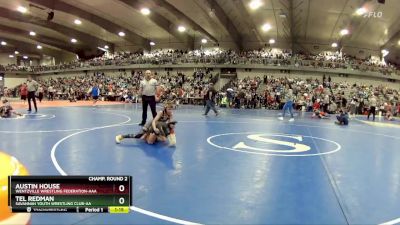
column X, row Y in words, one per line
column 24, row 92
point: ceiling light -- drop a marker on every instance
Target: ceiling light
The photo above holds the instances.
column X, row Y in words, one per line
column 361, row 11
column 77, row 22
column 204, row 41
column 272, row 41
column 344, row 32
column 11, row 56
column 103, row 49
column 398, row 42
column 152, row 43
column 255, row 4
column 145, row 11
column 39, row 47
column 32, row 33
column 266, row 27
column 122, row 34
column 181, row 29
column 22, row 9
column 106, row 46
column 73, row 40
column 3, row 43
column 16, row 52
column 25, row 57
column 334, row 45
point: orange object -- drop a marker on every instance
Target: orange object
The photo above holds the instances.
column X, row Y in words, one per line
column 9, row 165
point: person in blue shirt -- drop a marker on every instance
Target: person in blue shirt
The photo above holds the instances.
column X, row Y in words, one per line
column 288, row 105
column 95, row 93
column 343, row 118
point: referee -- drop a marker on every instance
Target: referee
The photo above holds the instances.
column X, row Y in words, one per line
column 148, row 91
column 32, row 88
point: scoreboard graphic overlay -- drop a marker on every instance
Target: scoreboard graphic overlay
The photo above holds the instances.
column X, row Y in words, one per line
column 74, row 194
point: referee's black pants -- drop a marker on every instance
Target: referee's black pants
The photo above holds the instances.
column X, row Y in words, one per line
column 372, row 110
column 31, row 95
column 148, row 100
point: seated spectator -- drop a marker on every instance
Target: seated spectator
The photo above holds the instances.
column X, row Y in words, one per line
column 342, row 118
column 224, row 102
column 332, row 108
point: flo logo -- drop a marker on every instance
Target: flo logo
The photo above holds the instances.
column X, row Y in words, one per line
column 274, row 144
column 373, row 15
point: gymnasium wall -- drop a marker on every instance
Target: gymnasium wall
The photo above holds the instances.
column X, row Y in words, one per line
column 64, row 57
column 18, row 60
column 47, row 61
column 224, row 43
column 12, row 80
column 5, row 60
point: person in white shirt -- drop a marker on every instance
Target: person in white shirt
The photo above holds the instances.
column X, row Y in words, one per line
column 32, row 88
column 326, row 103
column 51, row 93
column 353, row 107
column 148, row 88
column 40, row 93
column 372, row 107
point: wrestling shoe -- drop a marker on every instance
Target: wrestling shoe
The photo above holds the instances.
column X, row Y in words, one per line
column 291, row 119
column 280, row 118
column 118, row 139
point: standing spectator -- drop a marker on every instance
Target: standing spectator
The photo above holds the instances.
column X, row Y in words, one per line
column 32, row 87
column 353, row 106
column 372, row 107
column 288, row 105
column 325, row 103
column 95, row 93
column 316, row 105
column 40, row 93
column 71, row 95
column 23, row 92
column 51, row 93
column 148, row 88
column 210, row 99
column 344, row 101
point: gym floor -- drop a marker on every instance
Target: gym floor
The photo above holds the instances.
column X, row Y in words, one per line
column 242, row 167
